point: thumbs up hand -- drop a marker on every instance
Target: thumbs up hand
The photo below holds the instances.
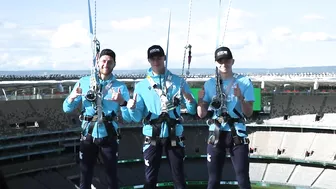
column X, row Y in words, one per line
column 201, row 93
column 189, row 98
column 131, row 104
column 76, row 92
column 116, row 96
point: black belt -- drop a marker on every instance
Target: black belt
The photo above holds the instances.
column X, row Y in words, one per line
column 151, row 140
column 107, row 120
column 156, row 124
column 90, row 118
column 226, row 118
column 236, row 140
column 90, row 139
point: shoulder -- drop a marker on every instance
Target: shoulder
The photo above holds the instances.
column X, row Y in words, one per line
column 84, row 80
column 174, row 77
column 120, row 84
column 243, row 79
column 141, row 84
column 210, row 82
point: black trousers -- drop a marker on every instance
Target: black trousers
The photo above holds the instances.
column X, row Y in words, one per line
column 152, row 159
column 108, row 149
column 216, row 158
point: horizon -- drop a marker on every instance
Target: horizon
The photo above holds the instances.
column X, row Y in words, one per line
column 288, row 70
column 175, row 68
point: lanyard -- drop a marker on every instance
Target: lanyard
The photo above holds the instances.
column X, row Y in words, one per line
column 165, row 105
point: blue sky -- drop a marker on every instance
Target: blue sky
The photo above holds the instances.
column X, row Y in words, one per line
column 54, row 35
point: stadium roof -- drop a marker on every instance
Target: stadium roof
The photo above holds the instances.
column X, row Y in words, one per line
column 270, row 80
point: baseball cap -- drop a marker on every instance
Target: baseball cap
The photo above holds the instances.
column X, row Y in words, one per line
column 223, row 53
column 155, row 50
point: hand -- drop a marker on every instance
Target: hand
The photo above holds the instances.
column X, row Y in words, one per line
column 201, row 93
column 76, row 93
column 189, row 98
column 116, row 96
column 237, row 92
column 131, row 104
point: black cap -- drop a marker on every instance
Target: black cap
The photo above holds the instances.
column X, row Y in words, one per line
column 155, row 50
column 108, row 52
column 223, row 53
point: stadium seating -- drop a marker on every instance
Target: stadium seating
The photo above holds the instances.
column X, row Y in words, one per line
column 281, row 150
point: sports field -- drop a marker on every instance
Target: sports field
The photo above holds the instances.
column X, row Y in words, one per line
column 223, row 187
column 234, row 187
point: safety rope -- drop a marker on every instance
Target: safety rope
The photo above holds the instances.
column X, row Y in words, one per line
column 227, row 20
column 220, row 96
column 218, row 23
column 219, row 92
column 95, row 47
column 166, row 66
column 187, row 47
column 218, row 88
column 94, row 94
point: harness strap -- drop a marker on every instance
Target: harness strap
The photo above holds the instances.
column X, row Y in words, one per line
column 230, row 121
column 107, row 120
column 157, row 124
column 165, row 105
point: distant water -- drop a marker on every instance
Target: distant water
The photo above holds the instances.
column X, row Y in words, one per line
column 320, row 69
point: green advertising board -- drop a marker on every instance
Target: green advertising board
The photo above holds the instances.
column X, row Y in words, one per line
column 257, row 96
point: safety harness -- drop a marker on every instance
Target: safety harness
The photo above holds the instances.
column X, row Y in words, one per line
column 164, row 117
column 91, row 122
column 226, row 118
column 219, row 103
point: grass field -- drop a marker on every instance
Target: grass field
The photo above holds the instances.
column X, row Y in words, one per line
column 233, row 187
column 227, row 187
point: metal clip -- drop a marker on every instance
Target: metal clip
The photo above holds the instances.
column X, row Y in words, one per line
column 173, row 142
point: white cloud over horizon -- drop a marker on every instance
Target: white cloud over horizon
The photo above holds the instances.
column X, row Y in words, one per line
column 132, row 23
column 313, row 17
column 258, row 36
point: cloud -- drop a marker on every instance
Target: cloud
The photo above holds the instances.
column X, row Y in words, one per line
column 313, row 17
column 8, row 25
column 164, row 10
column 316, row 36
column 68, row 45
column 40, row 33
column 14, row 61
column 30, row 62
column 236, row 19
column 132, row 23
column 202, row 38
column 281, row 33
column 70, row 35
column 4, row 57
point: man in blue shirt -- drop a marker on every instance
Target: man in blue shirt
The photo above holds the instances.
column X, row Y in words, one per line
column 99, row 137
column 158, row 98
column 227, row 100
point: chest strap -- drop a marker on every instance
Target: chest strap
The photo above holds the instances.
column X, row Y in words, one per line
column 162, row 93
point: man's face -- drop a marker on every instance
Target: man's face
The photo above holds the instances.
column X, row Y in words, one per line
column 225, row 65
column 106, row 64
column 157, row 63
